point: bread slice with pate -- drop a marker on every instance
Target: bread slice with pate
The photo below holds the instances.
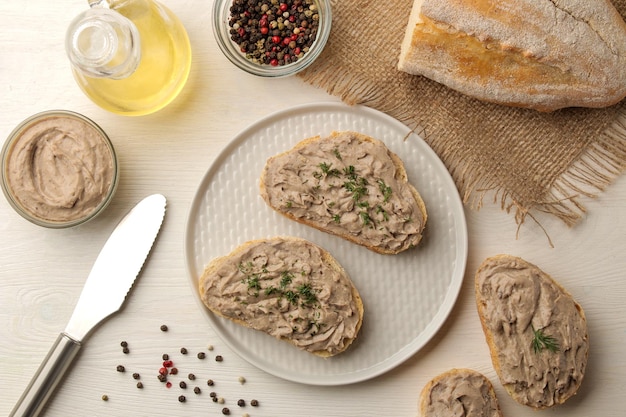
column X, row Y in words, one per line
column 350, row 185
column 459, row 392
column 289, row 288
column 536, row 332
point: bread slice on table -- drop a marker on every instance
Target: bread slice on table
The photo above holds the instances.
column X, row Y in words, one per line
column 350, row 185
column 536, row 332
column 543, row 55
column 289, row 288
column 459, row 392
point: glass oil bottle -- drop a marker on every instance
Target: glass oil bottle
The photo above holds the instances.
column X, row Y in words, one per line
column 131, row 57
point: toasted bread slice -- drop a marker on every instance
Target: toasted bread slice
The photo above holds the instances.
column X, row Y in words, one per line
column 536, row 332
column 349, row 185
column 289, row 288
column 459, row 392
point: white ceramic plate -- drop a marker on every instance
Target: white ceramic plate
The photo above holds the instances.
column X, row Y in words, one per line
column 407, row 297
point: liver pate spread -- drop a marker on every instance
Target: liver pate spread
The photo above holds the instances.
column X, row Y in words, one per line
column 538, row 333
column 59, row 168
column 288, row 289
column 460, row 393
column 349, row 187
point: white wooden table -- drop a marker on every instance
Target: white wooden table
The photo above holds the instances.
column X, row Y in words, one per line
column 42, row 271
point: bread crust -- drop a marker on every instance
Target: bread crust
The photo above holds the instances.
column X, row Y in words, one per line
column 211, row 272
column 477, row 397
column 509, row 317
column 544, row 55
column 275, row 200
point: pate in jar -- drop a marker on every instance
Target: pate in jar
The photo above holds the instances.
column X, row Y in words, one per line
column 59, row 169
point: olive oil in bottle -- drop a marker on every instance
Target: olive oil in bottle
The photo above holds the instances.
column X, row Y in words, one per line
column 130, row 57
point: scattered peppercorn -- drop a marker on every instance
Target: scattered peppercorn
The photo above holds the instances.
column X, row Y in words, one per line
column 173, row 371
column 214, row 399
column 213, row 394
column 201, row 355
column 272, row 32
column 197, row 390
column 241, row 403
column 242, row 380
column 163, row 328
column 182, row 398
column 165, row 356
column 219, row 358
column 183, row 350
column 210, row 347
column 182, row 384
column 162, row 377
column 225, row 411
column 210, row 382
column 105, row 397
column 124, row 344
column 191, row 377
column 125, row 350
column 254, row 403
column 139, row 385
column 136, row 376
column 120, row 368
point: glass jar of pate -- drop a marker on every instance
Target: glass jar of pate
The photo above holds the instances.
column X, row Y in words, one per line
column 59, row 169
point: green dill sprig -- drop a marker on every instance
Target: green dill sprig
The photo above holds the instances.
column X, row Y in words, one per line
column 542, row 341
column 385, row 190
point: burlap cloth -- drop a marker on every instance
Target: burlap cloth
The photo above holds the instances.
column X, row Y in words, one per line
column 525, row 160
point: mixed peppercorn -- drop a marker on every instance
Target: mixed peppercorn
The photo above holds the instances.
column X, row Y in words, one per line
column 274, row 32
column 167, row 369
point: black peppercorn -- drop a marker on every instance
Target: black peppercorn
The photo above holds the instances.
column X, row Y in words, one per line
column 241, row 403
column 173, row 371
column 162, row 377
column 213, row 394
column 201, row 355
column 254, row 403
column 166, row 357
column 197, row 390
column 120, row 368
column 182, row 399
column 182, row 384
column 136, row 375
column 139, row 385
column 183, row 350
column 163, row 328
column 225, row 411
column 191, row 377
column 124, row 344
column 219, row 358
column 125, row 350
column 209, row 382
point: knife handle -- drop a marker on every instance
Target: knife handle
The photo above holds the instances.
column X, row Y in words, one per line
column 47, row 377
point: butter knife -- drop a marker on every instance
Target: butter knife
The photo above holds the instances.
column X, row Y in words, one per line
column 109, row 282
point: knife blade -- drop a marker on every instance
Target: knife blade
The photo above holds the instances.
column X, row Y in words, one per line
column 107, row 286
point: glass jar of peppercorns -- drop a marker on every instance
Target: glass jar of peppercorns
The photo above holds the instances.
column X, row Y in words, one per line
column 272, row 38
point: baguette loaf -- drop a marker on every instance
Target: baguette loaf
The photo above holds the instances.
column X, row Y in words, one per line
column 350, row 185
column 289, row 288
column 543, row 55
column 459, row 392
column 536, row 332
